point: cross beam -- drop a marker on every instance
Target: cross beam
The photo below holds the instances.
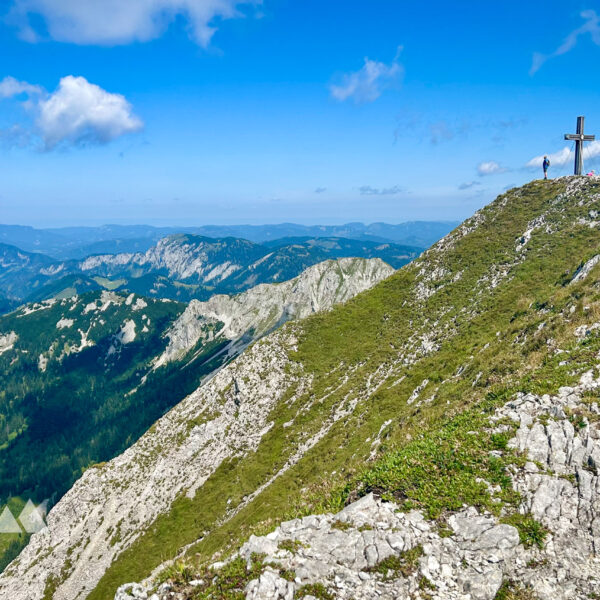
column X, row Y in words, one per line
column 579, row 138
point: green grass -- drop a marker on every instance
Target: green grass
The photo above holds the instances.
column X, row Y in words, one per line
column 531, row 532
column 109, row 284
column 513, row 591
column 318, row 590
column 341, row 525
column 442, row 470
column 395, row 566
column 291, row 545
column 493, row 344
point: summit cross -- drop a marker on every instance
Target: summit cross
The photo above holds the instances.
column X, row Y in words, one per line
column 579, row 138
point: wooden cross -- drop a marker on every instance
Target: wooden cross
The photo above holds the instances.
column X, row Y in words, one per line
column 579, row 138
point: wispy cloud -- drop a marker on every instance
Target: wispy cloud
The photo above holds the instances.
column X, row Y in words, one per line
column 443, row 130
column 565, row 156
column 468, row 185
column 591, row 27
column 15, row 137
column 490, row 167
column 77, row 113
column 10, row 87
column 110, row 22
column 367, row 190
column 368, row 83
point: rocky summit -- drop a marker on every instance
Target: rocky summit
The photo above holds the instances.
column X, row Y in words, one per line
column 434, row 437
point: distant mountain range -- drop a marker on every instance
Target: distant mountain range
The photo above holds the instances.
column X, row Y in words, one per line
column 79, row 242
column 181, row 267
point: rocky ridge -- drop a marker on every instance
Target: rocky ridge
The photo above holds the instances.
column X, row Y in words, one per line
column 261, row 309
column 180, row 267
column 373, row 549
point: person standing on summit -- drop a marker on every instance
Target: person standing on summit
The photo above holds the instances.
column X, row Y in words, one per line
column 545, row 166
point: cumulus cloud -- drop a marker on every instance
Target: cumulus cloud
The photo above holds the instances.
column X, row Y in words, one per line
column 77, row 113
column 591, row 27
column 10, row 87
column 368, row 83
column 565, row 156
column 367, row 190
column 490, row 167
column 110, row 22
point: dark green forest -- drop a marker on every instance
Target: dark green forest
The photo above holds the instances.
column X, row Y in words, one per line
column 63, row 408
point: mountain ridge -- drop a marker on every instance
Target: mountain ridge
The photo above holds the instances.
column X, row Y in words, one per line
column 381, row 394
column 83, row 378
column 78, row 242
column 180, row 267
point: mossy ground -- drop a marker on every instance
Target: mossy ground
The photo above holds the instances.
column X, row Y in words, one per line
column 492, row 342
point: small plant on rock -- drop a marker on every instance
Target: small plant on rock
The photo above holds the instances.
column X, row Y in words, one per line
column 318, row 590
column 510, row 590
column 291, row 545
column 341, row 525
column 395, row 566
column 531, row 532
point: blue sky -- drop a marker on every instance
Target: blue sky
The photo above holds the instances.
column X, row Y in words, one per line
column 225, row 111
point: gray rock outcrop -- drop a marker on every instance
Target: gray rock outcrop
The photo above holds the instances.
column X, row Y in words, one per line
column 258, row 311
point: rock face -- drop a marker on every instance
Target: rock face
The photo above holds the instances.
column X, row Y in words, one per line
column 477, row 554
column 227, row 265
column 181, row 257
column 263, row 308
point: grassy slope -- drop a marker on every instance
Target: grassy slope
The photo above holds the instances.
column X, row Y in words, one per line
column 371, row 331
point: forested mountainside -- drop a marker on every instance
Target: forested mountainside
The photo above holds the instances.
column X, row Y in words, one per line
column 186, row 267
column 82, row 378
column 464, row 388
column 180, row 267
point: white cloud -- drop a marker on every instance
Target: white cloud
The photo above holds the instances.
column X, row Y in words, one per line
column 565, row 156
column 77, row 113
column 490, row 167
column 81, row 112
column 591, row 26
column 367, row 84
column 10, row 87
column 110, row 22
